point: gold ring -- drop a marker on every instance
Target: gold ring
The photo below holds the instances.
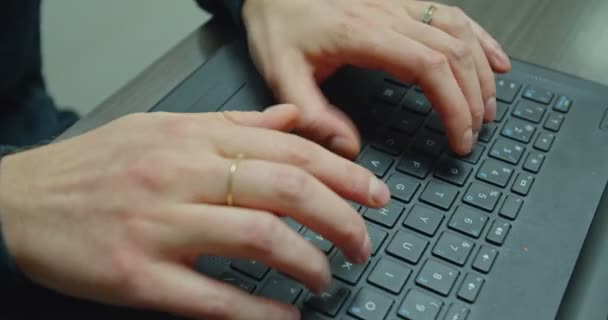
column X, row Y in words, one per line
column 233, row 167
column 428, row 14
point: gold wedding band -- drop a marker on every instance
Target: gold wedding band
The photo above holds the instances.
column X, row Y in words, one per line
column 428, row 14
column 232, row 170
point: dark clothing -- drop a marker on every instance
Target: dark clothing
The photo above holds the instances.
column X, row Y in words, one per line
column 28, row 116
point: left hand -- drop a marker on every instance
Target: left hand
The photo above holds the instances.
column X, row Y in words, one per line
column 297, row 43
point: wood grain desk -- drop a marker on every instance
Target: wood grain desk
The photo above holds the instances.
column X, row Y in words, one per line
column 566, row 35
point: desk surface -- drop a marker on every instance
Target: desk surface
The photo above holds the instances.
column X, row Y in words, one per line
column 560, row 34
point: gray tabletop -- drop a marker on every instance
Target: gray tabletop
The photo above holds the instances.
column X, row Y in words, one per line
column 565, row 35
column 561, row 34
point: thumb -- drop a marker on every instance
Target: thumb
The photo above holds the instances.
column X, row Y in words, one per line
column 294, row 82
column 282, row 117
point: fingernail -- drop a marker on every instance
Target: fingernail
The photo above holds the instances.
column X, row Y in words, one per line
column 502, row 57
column 475, row 137
column 366, row 251
column 378, row 191
column 468, row 140
column 491, row 109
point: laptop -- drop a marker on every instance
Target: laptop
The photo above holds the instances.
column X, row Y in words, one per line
column 515, row 230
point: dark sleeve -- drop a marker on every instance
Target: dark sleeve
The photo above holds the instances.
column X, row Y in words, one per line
column 224, row 8
column 10, row 276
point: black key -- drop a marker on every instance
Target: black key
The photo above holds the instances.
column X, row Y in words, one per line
column 281, row 289
column 457, row 312
column 501, row 110
column 468, row 221
column 522, row 184
column 453, row 248
column 439, row 194
column 452, row 170
column 251, row 268
column 506, row 150
column 417, row 102
column 482, row 196
column 318, row 240
column 510, row 208
column 424, row 219
column 386, row 216
column 470, row 287
column 375, row 161
column 562, row 104
column 380, row 113
column 437, row 277
column 330, row 300
column 534, row 161
column 389, row 275
column 390, row 142
column 390, row 93
column 402, row 187
column 486, row 132
column 472, row 157
column 544, row 141
column 419, row 306
column 376, row 236
column 495, row 172
column 554, row 122
column 498, row 232
column 530, row 111
column 370, row 305
column 485, row 259
column 407, row 246
column 506, row 90
column 518, row 130
column 237, row 281
column 430, row 143
column 345, row 270
column 406, row 122
column 416, row 165
column 294, row 225
column 538, row 94
column 434, row 123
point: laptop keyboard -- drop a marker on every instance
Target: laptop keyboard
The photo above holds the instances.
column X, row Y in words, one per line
column 436, row 242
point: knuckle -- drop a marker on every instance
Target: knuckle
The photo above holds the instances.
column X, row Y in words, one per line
column 459, row 51
column 300, row 154
column 124, row 276
column 292, row 185
column 434, row 61
column 218, row 305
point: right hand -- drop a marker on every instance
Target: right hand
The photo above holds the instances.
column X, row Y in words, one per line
column 119, row 214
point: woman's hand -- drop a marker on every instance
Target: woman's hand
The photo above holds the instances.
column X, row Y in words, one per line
column 119, row 214
column 297, row 43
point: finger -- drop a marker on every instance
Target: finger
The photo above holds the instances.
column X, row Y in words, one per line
column 412, row 61
column 282, row 117
column 253, row 235
column 181, row 291
column 341, row 175
column 498, row 58
column 453, row 21
column 291, row 191
column 462, row 58
column 293, row 81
